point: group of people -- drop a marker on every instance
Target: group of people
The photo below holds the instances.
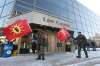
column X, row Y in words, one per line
column 41, row 41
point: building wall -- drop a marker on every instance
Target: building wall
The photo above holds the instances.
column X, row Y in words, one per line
column 68, row 11
column 96, row 38
column 6, row 7
column 42, row 19
column 81, row 18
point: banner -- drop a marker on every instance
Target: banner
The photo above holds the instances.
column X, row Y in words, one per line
column 17, row 29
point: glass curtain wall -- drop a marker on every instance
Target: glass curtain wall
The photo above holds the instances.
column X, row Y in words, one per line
column 6, row 7
column 81, row 18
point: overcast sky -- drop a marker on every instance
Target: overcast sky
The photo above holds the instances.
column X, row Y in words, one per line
column 92, row 4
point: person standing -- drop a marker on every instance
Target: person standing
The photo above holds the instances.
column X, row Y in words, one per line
column 81, row 41
column 88, row 45
column 93, row 43
column 34, row 43
column 1, row 48
column 40, row 46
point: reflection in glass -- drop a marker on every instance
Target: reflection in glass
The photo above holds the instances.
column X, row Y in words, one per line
column 8, row 1
column 2, row 2
column 1, row 22
column 1, row 10
column 7, row 9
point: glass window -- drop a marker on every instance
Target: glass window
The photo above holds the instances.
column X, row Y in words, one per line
column 1, row 22
column 25, row 4
column 74, row 26
column 65, row 3
column 70, row 8
column 2, row 2
column 75, row 10
column 5, row 21
column 72, row 16
column 58, row 8
column 1, row 10
column 21, row 9
column 69, row 2
column 79, row 30
column 64, row 13
column 28, row 1
column 78, row 20
column 7, row 9
column 75, row 4
column 8, row 1
column 48, row 5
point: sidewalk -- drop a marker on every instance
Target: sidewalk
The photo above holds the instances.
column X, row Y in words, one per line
column 57, row 59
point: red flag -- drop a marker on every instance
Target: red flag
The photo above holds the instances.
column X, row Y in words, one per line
column 17, row 29
column 63, row 35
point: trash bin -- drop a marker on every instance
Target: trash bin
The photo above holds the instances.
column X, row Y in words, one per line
column 7, row 51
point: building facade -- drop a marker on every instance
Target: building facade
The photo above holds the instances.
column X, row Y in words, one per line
column 52, row 14
column 81, row 18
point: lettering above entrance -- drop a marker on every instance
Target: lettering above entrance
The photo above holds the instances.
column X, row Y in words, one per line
column 55, row 22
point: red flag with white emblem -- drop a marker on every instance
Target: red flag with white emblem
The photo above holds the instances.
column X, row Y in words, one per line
column 17, row 29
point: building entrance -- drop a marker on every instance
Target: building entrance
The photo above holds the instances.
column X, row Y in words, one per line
column 51, row 40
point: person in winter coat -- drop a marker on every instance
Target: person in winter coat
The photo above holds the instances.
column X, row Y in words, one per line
column 40, row 46
column 81, row 41
column 34, row 43
column 93, row 43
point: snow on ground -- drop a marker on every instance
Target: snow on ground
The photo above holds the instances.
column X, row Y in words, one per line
column 57, row 59
column 86, row 63
column 97, row 65
column 91, row 53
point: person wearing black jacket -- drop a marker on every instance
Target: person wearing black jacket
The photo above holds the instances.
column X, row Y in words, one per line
column 81, row 41
column 93, row 43
column 34, row 43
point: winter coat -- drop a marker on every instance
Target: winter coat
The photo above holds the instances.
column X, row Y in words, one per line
column 81, row 40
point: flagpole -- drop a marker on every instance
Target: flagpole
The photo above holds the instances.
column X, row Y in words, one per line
column 24, row 45
column 19, row 44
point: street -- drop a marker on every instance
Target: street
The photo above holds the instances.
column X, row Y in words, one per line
column 56, row 59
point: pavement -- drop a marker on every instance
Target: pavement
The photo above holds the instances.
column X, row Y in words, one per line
column 56, row 59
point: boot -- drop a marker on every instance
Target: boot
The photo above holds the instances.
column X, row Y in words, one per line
column 78, row 56
column 43, row 58
column 86, row 56
column 39, row 58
